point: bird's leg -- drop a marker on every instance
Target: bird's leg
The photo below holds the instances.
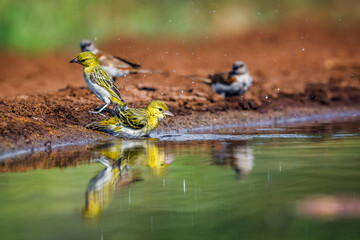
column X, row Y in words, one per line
column 101, row 109
column 106, row 110
column 97, row 109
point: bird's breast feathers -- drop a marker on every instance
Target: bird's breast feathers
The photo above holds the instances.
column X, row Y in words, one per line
column 99, row 91
column 126, row 132
column 243, row 81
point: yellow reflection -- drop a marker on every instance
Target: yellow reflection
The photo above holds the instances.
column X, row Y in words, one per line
column 100, row 189
column 123, row 161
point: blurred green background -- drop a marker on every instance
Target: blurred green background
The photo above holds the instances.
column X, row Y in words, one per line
column 40, row 25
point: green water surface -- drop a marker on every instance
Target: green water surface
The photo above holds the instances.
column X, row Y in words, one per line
column 207, row 190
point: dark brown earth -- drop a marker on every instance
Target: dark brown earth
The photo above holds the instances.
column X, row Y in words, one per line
column 298, row 69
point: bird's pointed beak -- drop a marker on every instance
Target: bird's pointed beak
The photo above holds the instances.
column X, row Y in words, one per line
column 75, row 60
column 168, row 113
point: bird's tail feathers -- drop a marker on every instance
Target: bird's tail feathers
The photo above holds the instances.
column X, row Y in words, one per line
column 137, row 71
column 119, row 101
column 99, row 126
column 106, row 125
column 199, row 78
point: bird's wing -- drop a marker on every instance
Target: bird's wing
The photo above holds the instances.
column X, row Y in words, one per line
column 199, row 78
column 106, row 59
column 133, row 65
column 220, row 78
column 133, row 117
column 99, row 76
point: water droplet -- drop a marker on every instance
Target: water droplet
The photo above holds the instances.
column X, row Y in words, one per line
column 266, row 97
column 303, row 49
column 258, row 13
column 151, row 223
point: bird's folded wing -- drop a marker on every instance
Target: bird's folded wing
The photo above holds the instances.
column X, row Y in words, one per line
column 99, row 76
column 106, row 59
column 219, row 78
column 133, row 65
column 133, row 118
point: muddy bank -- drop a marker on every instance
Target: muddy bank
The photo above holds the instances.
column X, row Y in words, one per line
column 51, row 156
column 297, row 69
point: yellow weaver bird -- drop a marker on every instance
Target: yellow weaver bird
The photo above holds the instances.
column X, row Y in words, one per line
column 98, row 80
column 133, row 122
column 115, row 66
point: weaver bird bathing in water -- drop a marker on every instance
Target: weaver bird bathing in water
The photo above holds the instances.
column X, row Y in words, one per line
column 115, row 66
column 133, row 122
column 233, row 83
column 98, row 80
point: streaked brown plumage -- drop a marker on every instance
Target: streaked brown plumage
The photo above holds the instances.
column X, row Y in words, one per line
column 233, row 83
column 115, row 66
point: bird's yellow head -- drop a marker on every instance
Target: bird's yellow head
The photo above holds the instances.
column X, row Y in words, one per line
column 158, row 109
column 86, row 59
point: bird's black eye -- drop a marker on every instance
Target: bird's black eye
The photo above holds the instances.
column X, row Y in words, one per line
column 160, row 109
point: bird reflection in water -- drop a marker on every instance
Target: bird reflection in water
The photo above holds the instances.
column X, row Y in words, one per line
column 124, row 163
column 236, row 154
